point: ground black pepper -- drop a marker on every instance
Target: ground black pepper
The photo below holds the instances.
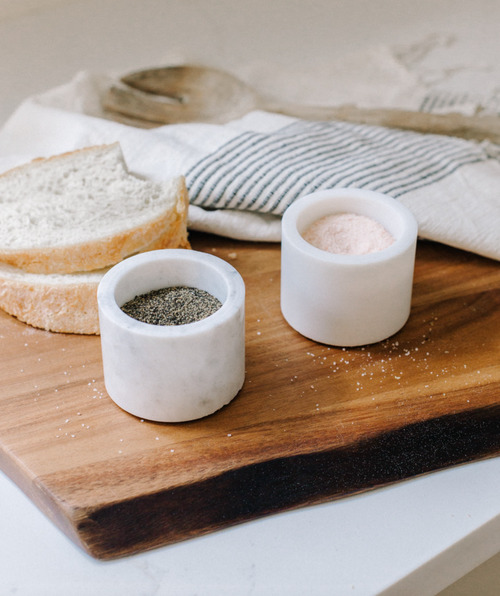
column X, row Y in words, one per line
column 178, row 305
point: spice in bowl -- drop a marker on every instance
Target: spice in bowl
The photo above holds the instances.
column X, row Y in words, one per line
column 178, row 305
column 348, row 234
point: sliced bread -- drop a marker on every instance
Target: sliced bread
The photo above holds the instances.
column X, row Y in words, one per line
column 66, row 303
column 83, row 211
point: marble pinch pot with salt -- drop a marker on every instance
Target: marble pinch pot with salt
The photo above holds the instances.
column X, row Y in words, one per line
column 345, row 299
column 172, row 373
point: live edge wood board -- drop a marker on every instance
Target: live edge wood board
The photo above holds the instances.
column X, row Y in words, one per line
column 311, row 424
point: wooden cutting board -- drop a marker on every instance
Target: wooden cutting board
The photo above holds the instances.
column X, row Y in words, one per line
column 312, row 423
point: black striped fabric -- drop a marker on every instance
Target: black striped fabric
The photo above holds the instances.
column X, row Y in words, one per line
column 266, row 172
column 440, row 102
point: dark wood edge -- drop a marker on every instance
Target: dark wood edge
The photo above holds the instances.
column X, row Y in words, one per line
column 282, row 484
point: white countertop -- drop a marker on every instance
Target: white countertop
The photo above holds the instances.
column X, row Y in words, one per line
column 416, row 537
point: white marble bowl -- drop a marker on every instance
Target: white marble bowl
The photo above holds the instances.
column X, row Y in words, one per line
column 172, row 373
column 347, row 300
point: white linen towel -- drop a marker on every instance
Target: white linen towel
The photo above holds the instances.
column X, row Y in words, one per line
column 242, row 176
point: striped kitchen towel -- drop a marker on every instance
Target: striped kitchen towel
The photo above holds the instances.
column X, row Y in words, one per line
column 243, row 175
column 266, row 172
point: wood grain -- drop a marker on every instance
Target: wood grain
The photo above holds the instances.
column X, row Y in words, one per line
column 312, row 423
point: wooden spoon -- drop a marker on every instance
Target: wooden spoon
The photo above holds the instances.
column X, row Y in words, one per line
column 175, row 94
column 181, row 94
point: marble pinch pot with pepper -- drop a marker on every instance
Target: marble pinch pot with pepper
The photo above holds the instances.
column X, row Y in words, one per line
column 180, row 372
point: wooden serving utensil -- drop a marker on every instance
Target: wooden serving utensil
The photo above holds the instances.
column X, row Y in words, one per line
column 188, row 93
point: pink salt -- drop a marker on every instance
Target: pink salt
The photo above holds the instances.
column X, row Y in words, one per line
column 348, row 234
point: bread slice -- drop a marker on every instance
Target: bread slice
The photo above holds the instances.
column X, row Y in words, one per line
column 66, row 303
column 65, row 220
column 83, row 211
column 55, row 302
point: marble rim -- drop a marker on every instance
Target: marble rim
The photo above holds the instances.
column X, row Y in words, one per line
column 361, row 202
column 231, row 305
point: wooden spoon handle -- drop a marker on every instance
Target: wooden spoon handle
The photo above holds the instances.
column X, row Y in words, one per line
column 478, row 128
